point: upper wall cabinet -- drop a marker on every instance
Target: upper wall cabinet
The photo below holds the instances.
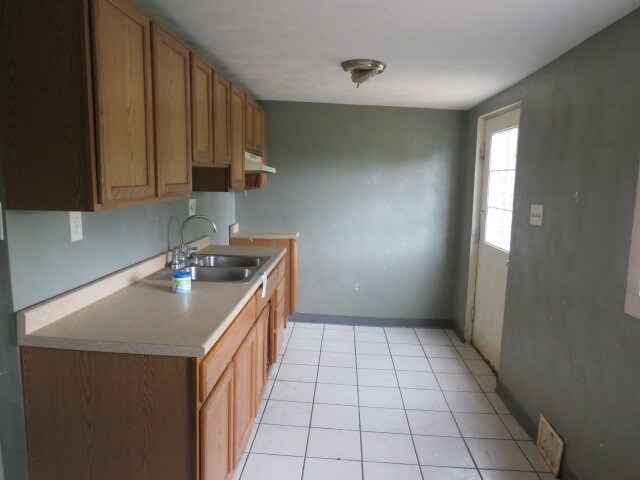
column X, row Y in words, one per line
column 249, row 123
column 221, row 119
column 172, row 102
column 236, row 173
column 80, row 131
column 202, row 110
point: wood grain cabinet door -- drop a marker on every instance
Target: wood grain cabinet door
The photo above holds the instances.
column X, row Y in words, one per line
column 217, row 460
column 172, row 102
column 201, row 110
column 221, row 119
column 259, row 127
column 244, row 372
column 123, row 98
column 249, row 123
column 236, row 175
column 262, row 351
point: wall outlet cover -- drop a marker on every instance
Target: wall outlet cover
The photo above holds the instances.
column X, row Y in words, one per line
column 192, row 206
column 536, row 215
column 75, row 226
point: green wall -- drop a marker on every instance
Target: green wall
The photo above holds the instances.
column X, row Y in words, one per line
column 568, row 349
column 373, row 192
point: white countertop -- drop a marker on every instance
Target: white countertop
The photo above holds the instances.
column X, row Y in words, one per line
column 146, row 317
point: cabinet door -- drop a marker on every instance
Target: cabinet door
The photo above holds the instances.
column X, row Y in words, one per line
column 217, row 430
column 221, row 119
column 172, row 102
column 259, row 130
column 249, row 123
column 262, row 350
column 236, row 173
column 123, row 101
column 244, row 380
column 201, row 110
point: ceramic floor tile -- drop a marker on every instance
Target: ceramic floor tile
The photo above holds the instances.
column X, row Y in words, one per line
column 498, row 454
column 390, row 471
column 547, row 476
column 441, row 351
column 439, row 424
column 252, row 436
column 332, row 359
column 468, row 402
column 449, row 473
column 415, row 399
column 278, row 412
column 377, row 378
column 432, row 337
column 388, row 447
column 260, row 412
column 329, row 326
column 292, row 391
column 381, row 397
column 497, row 403
column 458, row 382
column 517, row 432
column 268, row 467
column 343, row 417
column 406, row 349
column 367, row 328
column 338, row 346
column 297, row 373
column 372, row 348
column 308, row 325
column 412, row 364
column 424, row 380
column 535, row 458
column 338, row 375
column 327, row 469
column 482, row 425
column 402, row 337
column 384, row 420
column 479, row 367
column 307, row 333
column 310, row 344
column 442, row 452
column 388, row 330
column 336, row 444
column 467, row 352
column 370, row 336
column 486, row 382
column 340, row 335
column 273, row 370
column 506, row 475
column 382, row 362
column 301, row 357
column 336, row 394
column 280, row 440
column 267, row 389
column 448, row 365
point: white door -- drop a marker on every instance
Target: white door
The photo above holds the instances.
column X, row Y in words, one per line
column 500, row 142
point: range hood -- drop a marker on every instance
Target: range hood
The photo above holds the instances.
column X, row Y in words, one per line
column 253, row 164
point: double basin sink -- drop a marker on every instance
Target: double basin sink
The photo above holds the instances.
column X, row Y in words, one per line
column 218, row 268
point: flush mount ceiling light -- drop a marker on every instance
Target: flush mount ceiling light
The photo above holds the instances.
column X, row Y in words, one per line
column 362, row 70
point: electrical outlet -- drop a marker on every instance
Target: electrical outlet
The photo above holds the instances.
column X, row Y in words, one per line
column 536, row 215
column 192, row 206
column 1, row 224
column 75, row 226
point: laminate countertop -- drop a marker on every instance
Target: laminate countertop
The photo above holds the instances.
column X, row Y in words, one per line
column 145, row 316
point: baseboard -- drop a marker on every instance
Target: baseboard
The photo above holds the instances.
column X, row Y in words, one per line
column 371, row 321
column 526, row 423
column 458, row 331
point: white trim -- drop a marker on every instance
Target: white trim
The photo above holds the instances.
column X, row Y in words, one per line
column 632, row 299
column 475, row 218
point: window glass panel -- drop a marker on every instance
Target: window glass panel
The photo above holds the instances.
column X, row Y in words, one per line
column 513, row 147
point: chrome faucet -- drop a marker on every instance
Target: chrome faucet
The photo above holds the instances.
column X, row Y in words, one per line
column 183, row 255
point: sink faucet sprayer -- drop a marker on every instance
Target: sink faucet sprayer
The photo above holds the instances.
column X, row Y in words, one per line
column 183, row 255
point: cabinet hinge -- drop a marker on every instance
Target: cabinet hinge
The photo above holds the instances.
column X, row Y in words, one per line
column 483, row 151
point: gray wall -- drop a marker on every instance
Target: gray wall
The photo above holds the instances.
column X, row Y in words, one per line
column 568, row 350
column 372, row 191
column 45, row 263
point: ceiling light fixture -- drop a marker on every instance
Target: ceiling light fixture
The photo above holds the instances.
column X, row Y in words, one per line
column 362, row 70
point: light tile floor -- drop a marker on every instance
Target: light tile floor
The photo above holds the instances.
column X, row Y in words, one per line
column 373, row 403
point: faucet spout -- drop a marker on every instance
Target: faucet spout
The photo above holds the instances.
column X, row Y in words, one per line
column 183, row 255
column 189, row 219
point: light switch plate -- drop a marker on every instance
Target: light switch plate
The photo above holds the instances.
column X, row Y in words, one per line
column 1, row 224
column 192, row 206
column 536, row 215
column 75, row 226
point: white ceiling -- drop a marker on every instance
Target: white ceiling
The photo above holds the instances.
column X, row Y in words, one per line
column 439, row 53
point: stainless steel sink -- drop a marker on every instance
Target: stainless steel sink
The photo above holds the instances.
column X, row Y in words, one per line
column 228, row 261
column 210, row 274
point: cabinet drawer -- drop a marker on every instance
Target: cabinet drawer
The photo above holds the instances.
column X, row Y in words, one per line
column 272, row 283
column 281, row 269
column 280, row 291
column 218, row 358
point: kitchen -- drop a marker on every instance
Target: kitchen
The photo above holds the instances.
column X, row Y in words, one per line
column 383, row 200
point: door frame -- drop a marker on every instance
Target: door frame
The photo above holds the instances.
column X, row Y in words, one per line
column 474, row 244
